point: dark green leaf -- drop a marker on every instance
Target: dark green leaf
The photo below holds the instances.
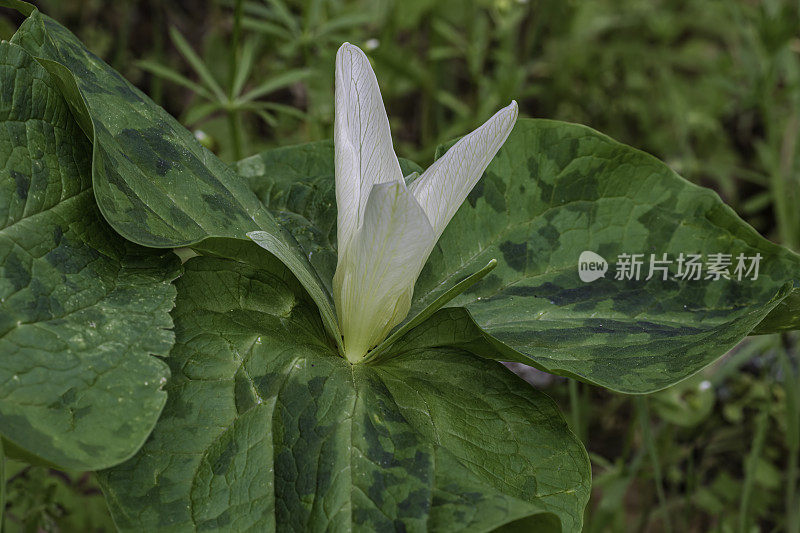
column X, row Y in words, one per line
column 784, row 317
column 154, row 182
column 81, row 310
column 267, row 425
column 555, row 190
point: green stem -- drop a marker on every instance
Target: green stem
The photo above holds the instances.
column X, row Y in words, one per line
column 237, row 34
column 2, row 485
column 234, row 121
column 575, row 408
column 792, row 521
column 122, row 36
column 235, row 127
column 750, row 468
column 650, row 444
column 691, row 490
column 156, row 82
column 790, row 384
column 782, row 190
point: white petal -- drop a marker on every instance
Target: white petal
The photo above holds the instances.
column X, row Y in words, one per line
column 363, row 143
column 443, row 187
column 375, row 276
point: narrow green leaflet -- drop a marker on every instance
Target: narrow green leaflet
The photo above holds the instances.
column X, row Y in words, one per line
column 153, row 181
column 266, row 424
column 554, row 191
column 81, row 310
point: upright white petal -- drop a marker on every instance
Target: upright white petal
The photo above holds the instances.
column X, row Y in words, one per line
column 375, row 275
column 445, row 185
column 363, row 144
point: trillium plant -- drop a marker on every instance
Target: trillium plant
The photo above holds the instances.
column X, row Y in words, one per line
column 327, row 355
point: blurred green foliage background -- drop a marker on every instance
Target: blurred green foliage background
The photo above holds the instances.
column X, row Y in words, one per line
column 712, row 87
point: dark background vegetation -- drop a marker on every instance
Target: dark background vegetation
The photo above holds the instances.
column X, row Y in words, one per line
column 712, row 87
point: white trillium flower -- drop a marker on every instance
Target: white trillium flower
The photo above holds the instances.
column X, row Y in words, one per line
column 387, row 229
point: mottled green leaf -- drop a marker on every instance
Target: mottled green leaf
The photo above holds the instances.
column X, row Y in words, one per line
column 81, row 309
column 557, row 189
column 267, row 427
column 553, row 191
column 784, row 317
column 153, row 181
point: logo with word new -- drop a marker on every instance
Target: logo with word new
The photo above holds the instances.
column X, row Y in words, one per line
column 591, row 266
column 684, row 267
